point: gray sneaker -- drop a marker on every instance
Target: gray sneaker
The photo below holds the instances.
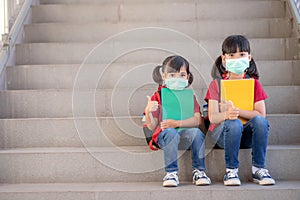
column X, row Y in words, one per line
column 262, row 177
column 200, row 178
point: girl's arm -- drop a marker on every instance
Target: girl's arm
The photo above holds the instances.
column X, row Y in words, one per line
column 191, row 122
column 150, row 120
column 226, row 111
column 259, row 110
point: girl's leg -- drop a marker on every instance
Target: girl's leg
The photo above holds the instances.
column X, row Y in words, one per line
column 228, row 136
column 258, row 128
column 168, row 141
column 196, row 141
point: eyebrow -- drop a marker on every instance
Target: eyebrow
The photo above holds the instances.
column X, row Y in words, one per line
column 180, row 73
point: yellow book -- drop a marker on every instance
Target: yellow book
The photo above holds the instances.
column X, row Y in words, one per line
column 240, row 92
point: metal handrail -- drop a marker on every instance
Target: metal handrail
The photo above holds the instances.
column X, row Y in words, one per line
column 10, row 10
column 11, row 38
column 296, row 9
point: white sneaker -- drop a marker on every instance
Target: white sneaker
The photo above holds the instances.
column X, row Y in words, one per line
column 171, row 180
column 231, row 178
column 200, row 178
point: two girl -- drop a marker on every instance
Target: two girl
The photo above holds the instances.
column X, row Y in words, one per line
column 225, row 129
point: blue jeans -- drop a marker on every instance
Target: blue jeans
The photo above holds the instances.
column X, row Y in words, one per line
column 168, row 141
column 232, row 135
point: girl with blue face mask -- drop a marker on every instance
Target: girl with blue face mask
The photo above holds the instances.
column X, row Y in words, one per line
column 175, row 75
column 226, row 130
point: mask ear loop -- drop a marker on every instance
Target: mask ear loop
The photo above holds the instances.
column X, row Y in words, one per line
column 161, row 73
column 223, row 75
column 245, row 73
column 223, row 64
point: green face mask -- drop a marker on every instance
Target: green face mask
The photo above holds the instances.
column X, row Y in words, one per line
column 176, row 83
column 237, row 66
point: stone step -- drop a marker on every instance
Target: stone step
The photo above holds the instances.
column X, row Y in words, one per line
column 202, row 29
column 46, row 2
column 128, row 47
column 67, row 132
column 35, row 77
column 157, row 11
column 130, row 164
column 148, row 191
column 114, row 102
column 107, row 132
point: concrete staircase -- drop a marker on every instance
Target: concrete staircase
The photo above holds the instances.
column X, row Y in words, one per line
column 70, row 118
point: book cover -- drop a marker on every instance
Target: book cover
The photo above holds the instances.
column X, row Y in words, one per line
column 240, row 92
column 177, row 104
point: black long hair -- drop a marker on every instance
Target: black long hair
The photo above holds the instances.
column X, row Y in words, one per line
column 230, row 45
column 172, row 64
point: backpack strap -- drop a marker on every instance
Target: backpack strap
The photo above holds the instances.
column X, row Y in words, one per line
column 152, row 144
column 205, row 118
column 219, row 85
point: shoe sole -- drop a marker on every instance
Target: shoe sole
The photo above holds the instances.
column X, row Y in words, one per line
column 202, row 183
column 170, row 184
column 267, row 182
column 231, row 183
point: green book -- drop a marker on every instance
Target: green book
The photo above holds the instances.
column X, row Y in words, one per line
column 177, row 104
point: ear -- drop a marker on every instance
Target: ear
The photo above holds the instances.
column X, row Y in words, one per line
column 250, row 57
column 223, row 59
column 163, row 76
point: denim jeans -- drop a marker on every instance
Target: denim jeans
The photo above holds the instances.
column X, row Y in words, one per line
column 232, row 135
column 168, row 141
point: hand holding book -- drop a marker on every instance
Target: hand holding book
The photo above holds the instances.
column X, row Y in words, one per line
column 231, row 112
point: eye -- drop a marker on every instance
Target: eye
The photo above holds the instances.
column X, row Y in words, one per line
column 243, row 54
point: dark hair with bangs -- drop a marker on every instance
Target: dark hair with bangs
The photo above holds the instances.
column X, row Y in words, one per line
column 172, row 64
column 232, row 44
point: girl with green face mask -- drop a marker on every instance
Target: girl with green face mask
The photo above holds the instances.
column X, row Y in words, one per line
column 225, row 129
column 174, row 74
column 236, row 59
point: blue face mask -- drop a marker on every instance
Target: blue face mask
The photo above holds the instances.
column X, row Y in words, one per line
column 176, row 83
column 237, row 66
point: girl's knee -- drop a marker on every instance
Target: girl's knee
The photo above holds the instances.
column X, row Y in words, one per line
column 234, row 126
column 171, row 133
column 168, row 136
column 196, row 133
column 259, row 121
column 260, row 127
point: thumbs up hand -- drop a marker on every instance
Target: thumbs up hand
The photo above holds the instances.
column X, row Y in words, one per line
column 151, row 105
